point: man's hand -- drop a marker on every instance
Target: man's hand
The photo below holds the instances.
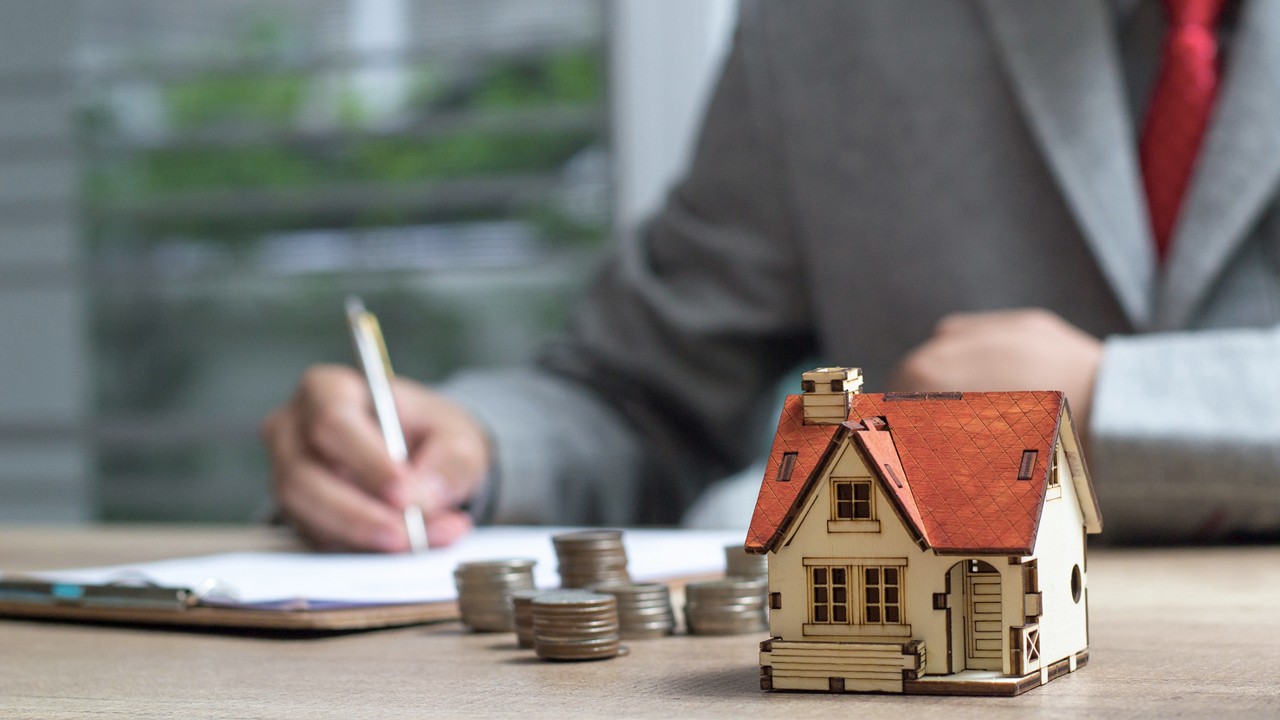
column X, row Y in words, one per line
column 335, row 481
column 1010, row 350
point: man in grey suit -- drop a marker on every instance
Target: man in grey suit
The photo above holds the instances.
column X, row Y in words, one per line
column 946, row 194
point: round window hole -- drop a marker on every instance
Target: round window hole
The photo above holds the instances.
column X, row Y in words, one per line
column 1076, row 584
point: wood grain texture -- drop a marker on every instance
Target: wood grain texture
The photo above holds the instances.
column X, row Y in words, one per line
column 1186, row 633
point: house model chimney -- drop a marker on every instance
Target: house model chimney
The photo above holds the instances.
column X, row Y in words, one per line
column 827, row 392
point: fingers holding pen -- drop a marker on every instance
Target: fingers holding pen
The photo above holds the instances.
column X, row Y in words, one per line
column 449, row 458
column 321, row 504
column 339, row 427
column 338, row 516
column 337, row 483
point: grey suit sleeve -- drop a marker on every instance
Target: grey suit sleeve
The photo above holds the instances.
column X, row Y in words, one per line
column 662, row 383
column 1186, row 434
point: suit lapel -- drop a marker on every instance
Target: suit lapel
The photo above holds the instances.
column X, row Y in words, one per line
column 1064, row 66
column 1237, row 171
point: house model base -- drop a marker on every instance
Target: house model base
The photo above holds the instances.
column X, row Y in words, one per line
column 923, row 543
column 892, row 669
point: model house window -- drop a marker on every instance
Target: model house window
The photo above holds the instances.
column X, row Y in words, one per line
column 882, row 595
column 830, row 594
column 1053, row 489
column 852, row 500
column 787, row 467
column 880, row 588
column 1028, row 464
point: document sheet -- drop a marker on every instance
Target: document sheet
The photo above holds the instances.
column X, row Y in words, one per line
column 290, row 580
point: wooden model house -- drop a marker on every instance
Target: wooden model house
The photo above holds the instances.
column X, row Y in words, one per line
column 923, row 542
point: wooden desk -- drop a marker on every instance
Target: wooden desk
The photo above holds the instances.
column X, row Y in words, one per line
column 1173, row 632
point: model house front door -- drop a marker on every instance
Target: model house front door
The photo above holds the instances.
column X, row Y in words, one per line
column 982, row 636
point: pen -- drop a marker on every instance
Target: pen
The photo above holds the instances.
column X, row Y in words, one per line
column 371, row 354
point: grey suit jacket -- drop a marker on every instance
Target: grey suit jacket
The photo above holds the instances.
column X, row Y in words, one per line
column 866, row 168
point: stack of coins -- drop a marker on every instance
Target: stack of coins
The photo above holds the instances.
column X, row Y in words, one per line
column 484, row 592
column 644, row 610
column 591, row 557
column 575, row 625
column 726, row 607
column 740, row 563
column 522, row 609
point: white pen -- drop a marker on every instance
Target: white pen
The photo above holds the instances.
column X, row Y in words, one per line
column 371, row 354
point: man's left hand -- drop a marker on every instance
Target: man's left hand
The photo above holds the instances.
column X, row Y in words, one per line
column 1030, row 349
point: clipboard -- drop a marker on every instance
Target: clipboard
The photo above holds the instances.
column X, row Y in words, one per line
column 319, row 593
column 184, row 607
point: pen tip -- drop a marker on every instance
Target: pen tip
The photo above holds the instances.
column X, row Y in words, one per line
column 355, row 306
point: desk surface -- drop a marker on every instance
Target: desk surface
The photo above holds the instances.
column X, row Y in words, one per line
column 1173, row 633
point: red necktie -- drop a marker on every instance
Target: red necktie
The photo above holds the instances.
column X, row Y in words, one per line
column 1179, row 111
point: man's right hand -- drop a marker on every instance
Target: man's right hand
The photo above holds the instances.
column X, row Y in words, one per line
column 335, row 481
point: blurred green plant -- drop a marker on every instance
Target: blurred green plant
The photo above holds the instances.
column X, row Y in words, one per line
column 270, row 99
column 567, row 77
column 273, row 101
column 468, row 153
column 169, row 170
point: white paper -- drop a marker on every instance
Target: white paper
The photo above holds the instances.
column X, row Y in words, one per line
column 268, row 578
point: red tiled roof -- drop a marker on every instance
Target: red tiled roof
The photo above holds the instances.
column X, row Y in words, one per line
column 958, row 456
column 774, row 504
column 877, row 445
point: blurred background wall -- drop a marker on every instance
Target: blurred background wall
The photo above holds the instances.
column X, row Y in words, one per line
column 188, row 190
